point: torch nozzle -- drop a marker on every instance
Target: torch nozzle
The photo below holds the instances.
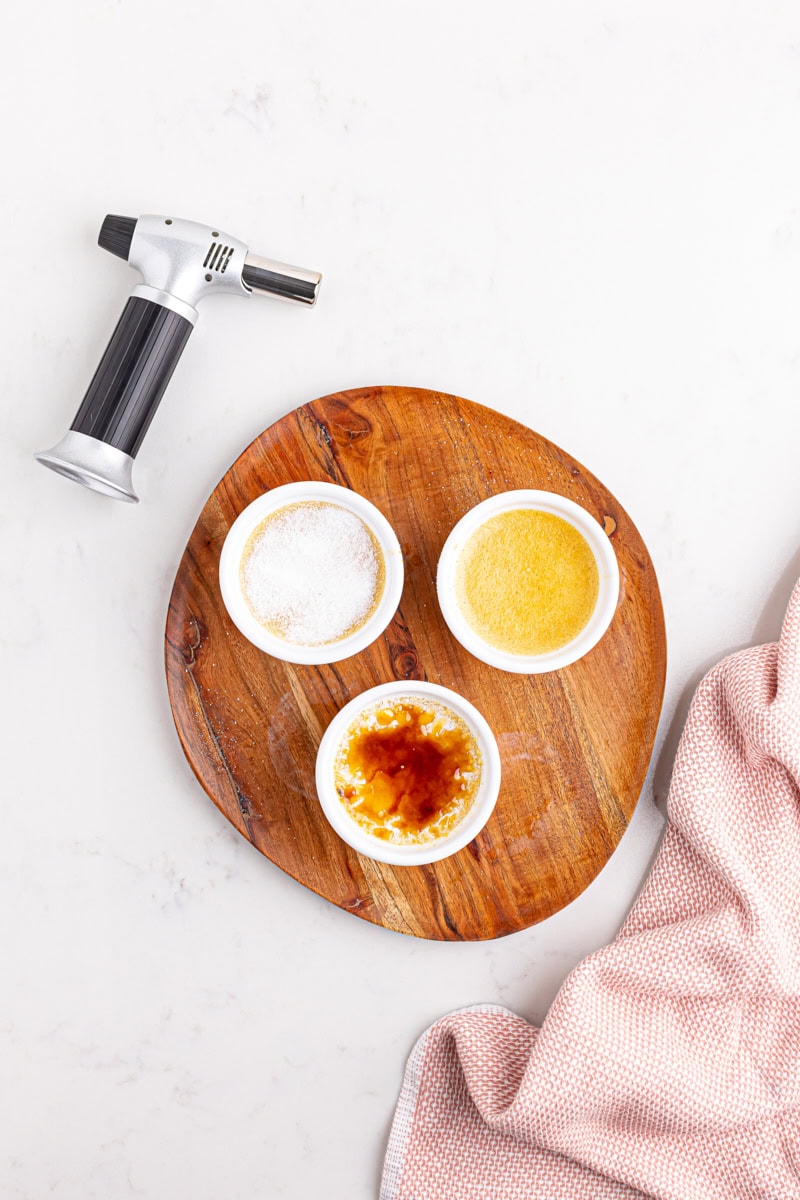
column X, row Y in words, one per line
column 279, row 279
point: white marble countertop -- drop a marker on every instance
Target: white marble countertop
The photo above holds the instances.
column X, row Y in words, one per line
column 584, row 215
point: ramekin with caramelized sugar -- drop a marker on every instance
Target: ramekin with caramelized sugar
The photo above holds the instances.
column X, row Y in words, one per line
column 481, row 793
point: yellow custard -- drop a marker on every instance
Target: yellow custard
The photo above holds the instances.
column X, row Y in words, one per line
column 526, row 581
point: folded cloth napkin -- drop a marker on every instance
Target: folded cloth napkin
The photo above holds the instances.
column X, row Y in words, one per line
column 669, row 1063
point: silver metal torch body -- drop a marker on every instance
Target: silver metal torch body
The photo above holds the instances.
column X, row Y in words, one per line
column 180, row 262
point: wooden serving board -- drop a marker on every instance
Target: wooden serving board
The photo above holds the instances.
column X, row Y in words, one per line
column 574, row 744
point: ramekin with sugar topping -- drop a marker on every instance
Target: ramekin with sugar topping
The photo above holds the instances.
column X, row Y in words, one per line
column 311, row 572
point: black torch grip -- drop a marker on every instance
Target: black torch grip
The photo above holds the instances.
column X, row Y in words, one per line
column 133, row 374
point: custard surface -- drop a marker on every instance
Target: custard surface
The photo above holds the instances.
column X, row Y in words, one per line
column 526, row 581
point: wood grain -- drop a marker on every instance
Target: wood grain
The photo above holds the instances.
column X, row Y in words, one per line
column 574, row 744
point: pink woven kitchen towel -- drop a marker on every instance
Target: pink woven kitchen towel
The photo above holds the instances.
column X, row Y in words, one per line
column 669, row 1064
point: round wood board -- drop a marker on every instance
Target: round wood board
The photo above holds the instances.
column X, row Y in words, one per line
column 574, row 744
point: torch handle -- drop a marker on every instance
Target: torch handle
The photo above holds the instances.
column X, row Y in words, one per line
column 133, row 373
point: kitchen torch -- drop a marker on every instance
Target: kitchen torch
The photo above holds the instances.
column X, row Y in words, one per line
column 180, row 263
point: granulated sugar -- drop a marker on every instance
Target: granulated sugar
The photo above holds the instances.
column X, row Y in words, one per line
column 312, row 573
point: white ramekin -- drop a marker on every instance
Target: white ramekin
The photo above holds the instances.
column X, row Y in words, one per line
column 230, row 576
column 474, row 820
column 608, row 571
